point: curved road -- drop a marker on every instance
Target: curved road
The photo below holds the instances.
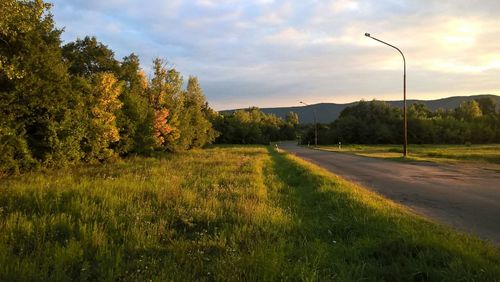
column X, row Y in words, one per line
column 463, row 197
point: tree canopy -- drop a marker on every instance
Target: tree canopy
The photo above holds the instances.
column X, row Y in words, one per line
column 252, row 126
column 376, row 122
column 66, row 104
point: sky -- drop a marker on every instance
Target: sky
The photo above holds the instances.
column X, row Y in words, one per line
column 270, row 53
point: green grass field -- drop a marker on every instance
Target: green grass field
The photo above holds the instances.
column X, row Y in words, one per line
column 486, row 154
column 226, row 213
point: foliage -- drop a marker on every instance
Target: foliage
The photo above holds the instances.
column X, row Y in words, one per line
column 36, row 122
column 377, row 122
column 252, row 126
column 292, row 118
column 63, row 104
column 88, row 56
column 197, row 129
column 104, row 103
column 161, row 126
column 468, row 111
column 222, row 214
column 136, row 116
column 19, row 18
column 488, row 106
column 165, row 94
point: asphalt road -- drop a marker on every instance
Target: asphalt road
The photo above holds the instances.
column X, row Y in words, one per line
column 467, row 198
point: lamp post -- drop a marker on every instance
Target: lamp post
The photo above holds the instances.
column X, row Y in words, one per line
column 405, row 121
column 315, row 126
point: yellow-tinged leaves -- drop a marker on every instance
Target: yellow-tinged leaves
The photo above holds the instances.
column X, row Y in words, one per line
column 105, row 103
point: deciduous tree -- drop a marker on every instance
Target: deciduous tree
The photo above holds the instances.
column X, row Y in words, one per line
column 35, row 93
column 104, row 104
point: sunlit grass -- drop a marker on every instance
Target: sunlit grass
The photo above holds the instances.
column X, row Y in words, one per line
column 228, row 213
column 487, row 154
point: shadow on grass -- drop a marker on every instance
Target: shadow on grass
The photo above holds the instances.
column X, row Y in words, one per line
column 350, row 239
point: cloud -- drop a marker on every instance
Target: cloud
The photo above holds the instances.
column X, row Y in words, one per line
column 276, row 52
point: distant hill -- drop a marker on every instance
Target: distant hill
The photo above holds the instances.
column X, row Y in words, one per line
column 328, row 112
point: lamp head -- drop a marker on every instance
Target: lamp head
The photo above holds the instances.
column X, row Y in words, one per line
column 367, row 34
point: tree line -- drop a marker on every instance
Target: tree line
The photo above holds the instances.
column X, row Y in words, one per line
column 66, row 104
column 252, row 126
column 62, row 104
column 376, row 122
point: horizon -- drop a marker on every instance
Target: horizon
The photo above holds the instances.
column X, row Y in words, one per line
column 274, row 53
column 362, row 99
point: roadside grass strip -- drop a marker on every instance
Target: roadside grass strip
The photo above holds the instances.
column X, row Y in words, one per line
column 488, row 154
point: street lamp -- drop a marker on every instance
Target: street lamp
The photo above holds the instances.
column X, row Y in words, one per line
column 315, row 126
column 405, row 121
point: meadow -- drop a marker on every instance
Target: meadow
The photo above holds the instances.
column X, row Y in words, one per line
column 451, row 154
column 225, row 213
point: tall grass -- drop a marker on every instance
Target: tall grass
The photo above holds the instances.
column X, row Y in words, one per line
column 231, row 213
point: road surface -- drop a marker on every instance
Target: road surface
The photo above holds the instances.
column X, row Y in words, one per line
column 466, row 198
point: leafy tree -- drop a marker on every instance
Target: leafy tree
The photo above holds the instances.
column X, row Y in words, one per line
column 60, row 105
column 378, row 122
column 135, row 120
column 102, row 129
column 292, row 118
column 196, row 129
column 88, row 57
column 165, row 98
column 251, row 126
column 289, row 129
column 18, row 19
column 35, row 93
column 468, row 111
column 487, row 105
column 366, row 122
column 419, row 111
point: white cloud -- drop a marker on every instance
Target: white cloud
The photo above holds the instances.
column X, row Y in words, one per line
column 341, row 6
column 270, row 52
column 288, row 36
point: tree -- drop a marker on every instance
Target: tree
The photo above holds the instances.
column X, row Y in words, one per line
column 17, row 20
column 251, row 126
column 487, row 105
column 288, row 130
column 292, row 118
column 136, row 118
column 164, row 96
column 468, row 111
column 60, row 105
column 88, row 57
column 196, row 129
column 367, row 122
column 103, row 105
column 35, row 94
column 419, row 111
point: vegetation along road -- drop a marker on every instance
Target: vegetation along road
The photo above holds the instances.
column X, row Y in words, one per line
column 463, row 197
column 229, row 213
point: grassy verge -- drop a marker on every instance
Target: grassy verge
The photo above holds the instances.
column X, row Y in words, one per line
column 237, row 213
column 456, row 154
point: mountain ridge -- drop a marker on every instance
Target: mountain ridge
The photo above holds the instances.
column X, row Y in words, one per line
column 328, row 112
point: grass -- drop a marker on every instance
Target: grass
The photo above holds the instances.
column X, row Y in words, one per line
column 229, row 213
column 455, row 154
